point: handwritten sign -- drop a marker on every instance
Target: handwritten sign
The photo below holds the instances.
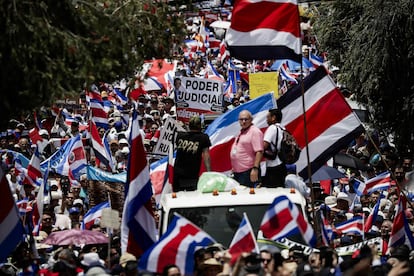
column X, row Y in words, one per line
column 262, row 83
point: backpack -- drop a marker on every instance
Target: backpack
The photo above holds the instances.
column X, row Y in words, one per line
column 289, row 150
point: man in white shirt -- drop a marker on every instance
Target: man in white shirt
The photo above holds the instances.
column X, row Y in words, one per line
column 275, row 168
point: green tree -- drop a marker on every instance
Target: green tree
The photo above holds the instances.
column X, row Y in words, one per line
column 372, row 41
column 52, row 49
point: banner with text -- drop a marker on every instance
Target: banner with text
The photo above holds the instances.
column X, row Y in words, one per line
column 167, row 136
column 198, row 96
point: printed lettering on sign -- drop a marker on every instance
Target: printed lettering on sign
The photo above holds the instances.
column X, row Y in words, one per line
column 199, row 96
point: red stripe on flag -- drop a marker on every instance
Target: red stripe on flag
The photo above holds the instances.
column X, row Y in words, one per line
column 248, row 16
column 243, row 245
column 276, row 223
column 137, row 158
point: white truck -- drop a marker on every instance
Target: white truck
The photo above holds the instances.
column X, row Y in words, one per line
column 220, row 213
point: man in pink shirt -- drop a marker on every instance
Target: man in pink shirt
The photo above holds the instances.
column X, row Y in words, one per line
column 247, row 151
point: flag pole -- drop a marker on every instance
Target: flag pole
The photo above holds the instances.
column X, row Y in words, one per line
column 309, row 169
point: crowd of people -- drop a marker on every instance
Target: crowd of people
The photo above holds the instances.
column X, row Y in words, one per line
column 69, row 199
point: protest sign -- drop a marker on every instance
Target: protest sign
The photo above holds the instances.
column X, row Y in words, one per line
column 262, row 83
column 198, row 96
column 167, row 136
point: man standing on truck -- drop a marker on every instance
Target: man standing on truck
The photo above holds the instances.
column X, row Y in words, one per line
column 247, row 151
column 191, row 147
column 275, row 168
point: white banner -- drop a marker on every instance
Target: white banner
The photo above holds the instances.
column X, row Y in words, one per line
column 197, row 96
column 167, row 136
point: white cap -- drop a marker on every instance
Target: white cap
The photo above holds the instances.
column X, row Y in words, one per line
column 344, row 196
column 78, row 201
column 123, row 141
column 43, row 132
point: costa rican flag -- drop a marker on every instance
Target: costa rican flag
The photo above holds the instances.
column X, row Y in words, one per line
column 283, row 218
column 331, row 123
column 11, row 228
column 401, row 233
column 37, row 139
column 39, row 204
column 98, row 147
column 353, row 226
column 265, row 30
column 373, row 215
column 67, row 116
column 211, row 72
column 168, row 176
column 24, row 206
column 93, row 214
column 243, row 240
column 316, row 60
column 138, row 230
column 33, row 170
column 224, row 54
column 177, row 246
column 377, row 183
column 120, row 97
column 97, row 108
column 326, row 228
column 286, row 75
column 71, row 156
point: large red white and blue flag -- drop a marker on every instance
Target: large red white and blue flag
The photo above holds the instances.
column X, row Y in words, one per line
column 177, row 246
column 354, row 225
column 400, row 232
column 283, row 218
column 93, row 214
column 331, row 123
column 11, row 228
column 264, row 30
column 243, row 240
column 377, row 183
column 138, row 230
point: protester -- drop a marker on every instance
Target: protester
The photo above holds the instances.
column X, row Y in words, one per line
column 275, row 168
column 247, row 151
column 192, row 147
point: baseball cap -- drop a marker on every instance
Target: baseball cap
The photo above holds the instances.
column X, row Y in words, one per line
column 77, row 201
column 74, row 210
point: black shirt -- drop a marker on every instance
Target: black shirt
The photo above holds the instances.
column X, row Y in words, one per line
column 190, row 146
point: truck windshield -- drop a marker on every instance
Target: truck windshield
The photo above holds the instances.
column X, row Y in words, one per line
column 221, row 222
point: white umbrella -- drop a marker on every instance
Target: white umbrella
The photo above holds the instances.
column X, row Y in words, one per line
column 220, row 24
column 151, row 84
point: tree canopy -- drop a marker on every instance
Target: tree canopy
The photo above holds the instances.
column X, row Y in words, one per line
column 372, row 43
column 52, row 49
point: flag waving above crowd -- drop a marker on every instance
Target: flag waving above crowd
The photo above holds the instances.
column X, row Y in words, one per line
column 264, row 30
